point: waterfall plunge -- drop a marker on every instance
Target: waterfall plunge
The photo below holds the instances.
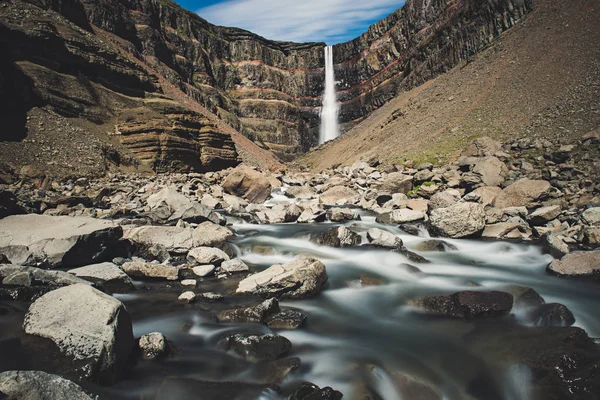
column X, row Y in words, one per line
column 331, row 108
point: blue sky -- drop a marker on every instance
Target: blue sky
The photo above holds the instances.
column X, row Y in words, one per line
column 330, row 21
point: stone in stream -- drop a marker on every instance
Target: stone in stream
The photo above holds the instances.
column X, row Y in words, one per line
column 434, row 245
column 142, row 269
column 338, row 237
column 247, row 183
column 310, row 391
column 467, row 304
column 577, row 264
column 187, row 297
column 382, row 238
column 400, row 216
column 155, row 345
column 38, row 385
column 299, row 278
column 268, row 313
column 91, row 330
column 204, row 270
column 552, row 314
column 275, row 372
column 179, row 240
column 58, row 241
column 106, row 276
column 459, row 220
column 234, row 266
column 256, row 348
column 210, row 296
column 208, row 255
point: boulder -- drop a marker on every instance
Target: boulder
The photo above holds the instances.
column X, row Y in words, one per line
column 187, row 297
column 268, row 312
column 481, row 147
column 434, row 245
column 204, row 270
column 486, row 195
column 523, row 192
column 552, row 314
column 400, row 216
column 379, row 237
column 578, row 263
column 301, row 192
column 179, row 240
column 338, row 237
column 301, row 277
column 591, row 216
column 38, row 385
column 208, row 255
column 491, row 170
column 234, row 266
column 343, row 214
column 339, row 195
column 444, row 199
column 507, row 230
column 142, row 269
column 310, row 391
column 395, row 182
column 543, row 215
column 256, row 348
column 247, row 183
column 18, row 275
column 58, row 241
column 155, row 346
column 106, row 276
column 459, row 220
column 92, row 330
column 467, row 304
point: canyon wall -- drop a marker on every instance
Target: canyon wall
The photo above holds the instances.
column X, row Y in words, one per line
column 269, row 91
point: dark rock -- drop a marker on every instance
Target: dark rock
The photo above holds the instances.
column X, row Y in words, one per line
column 552, row 314
column 434, row 245
column 310, row 391
column 338, row 237
column 256, row 314
column 286, row 319
column 9, row 204
column 256, row 348
column 275, row 372
column 467, row 304
column 410, row 229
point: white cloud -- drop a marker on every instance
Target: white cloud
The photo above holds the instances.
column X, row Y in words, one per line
column 300, row 20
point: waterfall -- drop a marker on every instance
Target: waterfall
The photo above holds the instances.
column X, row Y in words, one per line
column 331, row 108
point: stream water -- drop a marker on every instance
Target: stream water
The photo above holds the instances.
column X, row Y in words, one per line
column 355, row 335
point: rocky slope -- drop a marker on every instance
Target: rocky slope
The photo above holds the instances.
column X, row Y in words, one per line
column 105, row 66
column 541, row 79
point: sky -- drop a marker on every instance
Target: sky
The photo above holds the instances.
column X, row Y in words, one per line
column 330, row 21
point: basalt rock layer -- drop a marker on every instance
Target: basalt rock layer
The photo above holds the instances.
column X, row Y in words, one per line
column 122, row 60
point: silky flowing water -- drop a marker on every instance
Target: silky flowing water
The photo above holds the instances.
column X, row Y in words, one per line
column 354, row 336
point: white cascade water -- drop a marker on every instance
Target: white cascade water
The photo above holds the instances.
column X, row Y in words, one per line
column 331, row 108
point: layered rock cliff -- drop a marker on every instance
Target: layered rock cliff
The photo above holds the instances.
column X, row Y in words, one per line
column 100, row 59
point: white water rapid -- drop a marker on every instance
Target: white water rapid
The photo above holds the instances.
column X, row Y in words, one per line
column 330, row 110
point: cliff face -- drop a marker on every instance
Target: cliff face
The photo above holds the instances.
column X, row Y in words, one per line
column 269, row 91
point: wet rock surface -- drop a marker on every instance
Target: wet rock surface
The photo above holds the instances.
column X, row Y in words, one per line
column 29, row 385
column 467, row 304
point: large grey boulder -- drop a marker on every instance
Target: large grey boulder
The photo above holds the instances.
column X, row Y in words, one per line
column 179, row 240
column 58, row 241
column 400, row 216
column 92, row 330
column 339, row 195
column 38, row 385
column 491, row 170
column 444, row 199
column 379, row 237
column 523, row 192
column 395, row 182
column 301, row 277
column 106, row 276
column 578, row 263
column 248, row 183
column 459, row 220
column 591, row 216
